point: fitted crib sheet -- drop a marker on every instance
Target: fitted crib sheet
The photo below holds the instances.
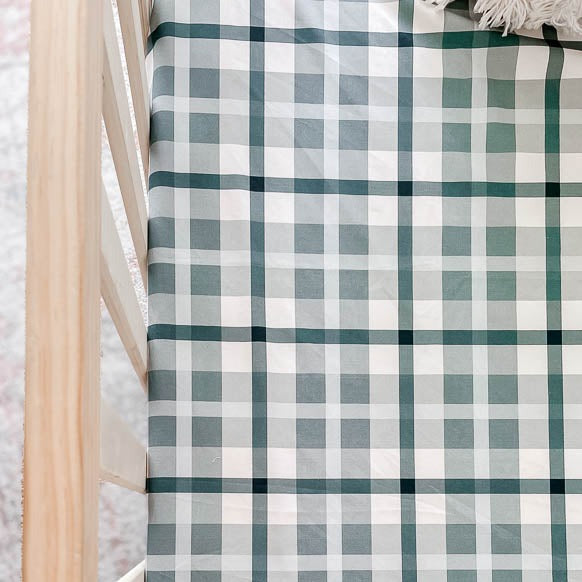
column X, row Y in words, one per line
column 365, row 296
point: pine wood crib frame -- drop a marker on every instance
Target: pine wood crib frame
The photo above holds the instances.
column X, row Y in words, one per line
column 74, row 255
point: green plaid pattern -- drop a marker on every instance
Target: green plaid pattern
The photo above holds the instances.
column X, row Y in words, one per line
column 365, row 296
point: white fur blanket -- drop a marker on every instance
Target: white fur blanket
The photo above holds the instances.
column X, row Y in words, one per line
column 512, row 15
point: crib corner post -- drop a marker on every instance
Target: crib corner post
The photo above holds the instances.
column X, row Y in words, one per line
column 61, row 451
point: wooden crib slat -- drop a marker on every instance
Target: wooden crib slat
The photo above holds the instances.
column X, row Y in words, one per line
column 145, row 8
column 61, row 450
column 117, row 116
column 119, row 293
column 123, row 457
column 133, row 40
column 137, row 574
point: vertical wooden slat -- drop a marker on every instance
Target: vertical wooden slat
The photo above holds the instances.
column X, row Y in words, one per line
column 123, row 457
column 119, row 295
column 145, row 8
column 133, row 41
column 61, row 456
column 117, row 117
column 137, row 574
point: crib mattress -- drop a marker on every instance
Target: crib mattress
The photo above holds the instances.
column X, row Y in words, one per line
column 365, row 296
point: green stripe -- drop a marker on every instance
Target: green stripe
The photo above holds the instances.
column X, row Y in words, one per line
column 258, row 318
column 449, row 337
column 258, row 34
column 405, row 293
column 357, row 187
column 553, row 304
column 362, row 486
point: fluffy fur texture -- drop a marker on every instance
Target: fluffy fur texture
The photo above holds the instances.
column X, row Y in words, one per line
column 527, row 14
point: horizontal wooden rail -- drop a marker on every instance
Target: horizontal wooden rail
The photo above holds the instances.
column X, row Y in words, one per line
column 137, row 574
column 119, row 295
column 133, row 41
column 117, row 116
column 123, row 457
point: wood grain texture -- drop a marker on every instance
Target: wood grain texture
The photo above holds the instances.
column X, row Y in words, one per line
column 133, row 41
column 61, row 452
column 119, row 294
column 123, row 457
column 117, row 116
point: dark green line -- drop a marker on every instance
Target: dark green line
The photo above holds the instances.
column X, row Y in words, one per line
column 553, row 303
column 258, row 317
column 405, row 292
column 357, row 187
column 449, row 337
column 470, row 39
column 553, row 487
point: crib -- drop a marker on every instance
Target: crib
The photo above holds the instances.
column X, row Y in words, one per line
column 72, row 439
column 374, row 203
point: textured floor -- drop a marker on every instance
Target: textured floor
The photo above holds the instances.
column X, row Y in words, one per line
column 123, row 514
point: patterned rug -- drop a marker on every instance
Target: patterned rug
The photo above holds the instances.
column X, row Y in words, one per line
column 365, row 296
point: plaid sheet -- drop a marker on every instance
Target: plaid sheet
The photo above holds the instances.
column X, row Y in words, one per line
column 365, row 280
